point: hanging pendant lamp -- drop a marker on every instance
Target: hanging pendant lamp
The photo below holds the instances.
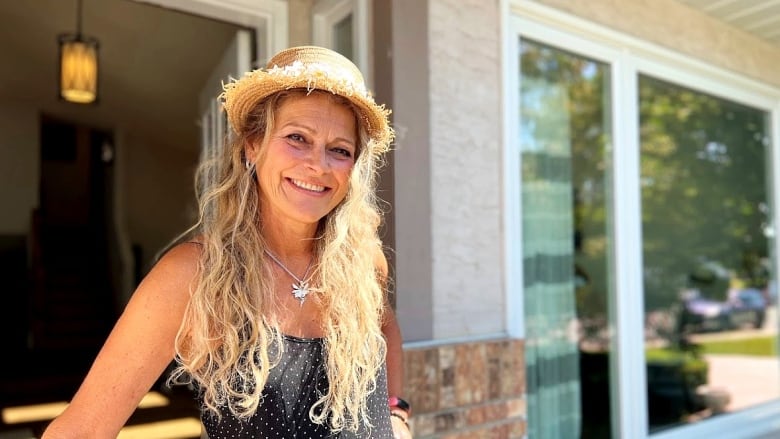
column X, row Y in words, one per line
column 78, row 79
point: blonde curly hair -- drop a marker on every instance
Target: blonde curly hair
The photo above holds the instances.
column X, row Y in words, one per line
column 229, row 317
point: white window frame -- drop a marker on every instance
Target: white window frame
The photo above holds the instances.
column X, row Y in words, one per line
column 328, row 13
column 627, row 57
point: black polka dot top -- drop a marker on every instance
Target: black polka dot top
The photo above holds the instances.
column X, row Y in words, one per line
column 290, row 392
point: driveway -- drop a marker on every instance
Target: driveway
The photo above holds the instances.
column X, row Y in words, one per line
column 749, row 379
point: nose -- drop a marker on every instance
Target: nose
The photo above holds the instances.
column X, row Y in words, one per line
column 317, row 160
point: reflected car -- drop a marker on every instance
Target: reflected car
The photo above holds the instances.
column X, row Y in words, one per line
column 747, row 306
column 742, row 308
column 700, row 314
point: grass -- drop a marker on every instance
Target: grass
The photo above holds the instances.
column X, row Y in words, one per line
column 765, row 346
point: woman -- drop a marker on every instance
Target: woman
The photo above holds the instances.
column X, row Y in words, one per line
column 274, row 305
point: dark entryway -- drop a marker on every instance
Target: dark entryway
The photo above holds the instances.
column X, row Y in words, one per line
column 62, row 280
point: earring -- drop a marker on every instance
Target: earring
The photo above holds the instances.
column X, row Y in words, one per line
column 248, row 164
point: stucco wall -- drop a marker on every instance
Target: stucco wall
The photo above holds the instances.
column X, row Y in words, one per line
column 465, row 109
column 411, row 157
column 683, row 29
column 300, row 22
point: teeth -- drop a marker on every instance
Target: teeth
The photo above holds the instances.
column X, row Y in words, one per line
column 308, row 186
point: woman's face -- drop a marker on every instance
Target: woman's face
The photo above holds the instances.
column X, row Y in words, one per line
column 311, row 149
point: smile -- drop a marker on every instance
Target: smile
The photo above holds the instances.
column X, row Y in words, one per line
column 307, row 186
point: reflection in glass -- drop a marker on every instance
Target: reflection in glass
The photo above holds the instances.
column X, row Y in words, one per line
column 710, row 296
column 564, row 136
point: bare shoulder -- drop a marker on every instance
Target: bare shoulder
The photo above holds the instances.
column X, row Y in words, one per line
column 185, row 253
column 174, row 272
column 136, row 352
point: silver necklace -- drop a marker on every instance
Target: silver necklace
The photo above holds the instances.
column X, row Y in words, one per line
column 300, row 289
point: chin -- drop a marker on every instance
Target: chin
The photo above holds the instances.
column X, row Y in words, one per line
column 311, row 219
column 312, row 216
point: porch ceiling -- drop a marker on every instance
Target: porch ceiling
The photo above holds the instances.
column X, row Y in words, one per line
column 153, row 63
column 758, row 17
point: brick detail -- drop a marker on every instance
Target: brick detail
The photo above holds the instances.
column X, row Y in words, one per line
column 467, row 390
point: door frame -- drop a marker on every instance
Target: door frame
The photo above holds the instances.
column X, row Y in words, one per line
column 268, row 19
column 327, row 13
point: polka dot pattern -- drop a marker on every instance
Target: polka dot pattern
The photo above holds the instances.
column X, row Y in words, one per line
column 290, row 392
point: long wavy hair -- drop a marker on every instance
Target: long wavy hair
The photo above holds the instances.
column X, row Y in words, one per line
column 229, row 320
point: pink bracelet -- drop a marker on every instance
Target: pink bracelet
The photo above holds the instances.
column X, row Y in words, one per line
column 400, row 403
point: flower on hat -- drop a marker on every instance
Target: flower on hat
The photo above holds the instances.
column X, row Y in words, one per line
column 333, row 79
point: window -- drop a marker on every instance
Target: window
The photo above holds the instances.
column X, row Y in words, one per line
column 706, row 237
column 643, row 188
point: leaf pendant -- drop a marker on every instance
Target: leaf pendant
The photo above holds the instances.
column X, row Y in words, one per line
column 300, row 291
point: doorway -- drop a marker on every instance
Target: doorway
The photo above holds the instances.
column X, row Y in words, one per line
column 72, row 246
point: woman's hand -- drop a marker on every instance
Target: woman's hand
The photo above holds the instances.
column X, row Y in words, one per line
column 401, row 430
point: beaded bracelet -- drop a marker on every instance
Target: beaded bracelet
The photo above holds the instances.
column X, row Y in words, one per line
column 396, row 415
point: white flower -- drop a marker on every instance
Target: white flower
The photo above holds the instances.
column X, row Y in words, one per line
column 317, row 75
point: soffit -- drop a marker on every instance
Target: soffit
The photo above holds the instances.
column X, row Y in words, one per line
column 758, row 17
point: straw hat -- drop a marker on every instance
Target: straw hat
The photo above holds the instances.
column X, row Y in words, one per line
column 310, row 68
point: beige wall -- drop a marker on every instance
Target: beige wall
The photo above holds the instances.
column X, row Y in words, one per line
column 412, row 168
column 158, row 192
column 19, row 166
column 300, row 22
column 466, row 187
column 682, row 29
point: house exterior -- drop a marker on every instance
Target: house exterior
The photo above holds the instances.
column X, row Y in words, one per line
column 540, row 146
column 571, row 183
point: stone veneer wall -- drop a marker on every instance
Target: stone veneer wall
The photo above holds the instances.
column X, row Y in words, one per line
column 466, row 390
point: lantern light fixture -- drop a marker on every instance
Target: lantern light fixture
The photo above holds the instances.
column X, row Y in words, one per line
column 78, row 65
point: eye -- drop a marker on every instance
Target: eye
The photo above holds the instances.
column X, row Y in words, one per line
column 343, row 152
column 295, row 137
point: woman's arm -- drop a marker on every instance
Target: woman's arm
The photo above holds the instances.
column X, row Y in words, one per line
column 394, row 358
column 392, row 333
column 395, row 372
column 136, row 352
column 395, row 364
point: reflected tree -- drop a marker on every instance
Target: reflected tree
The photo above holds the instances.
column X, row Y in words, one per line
column 587, row 87
column 704, row 190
